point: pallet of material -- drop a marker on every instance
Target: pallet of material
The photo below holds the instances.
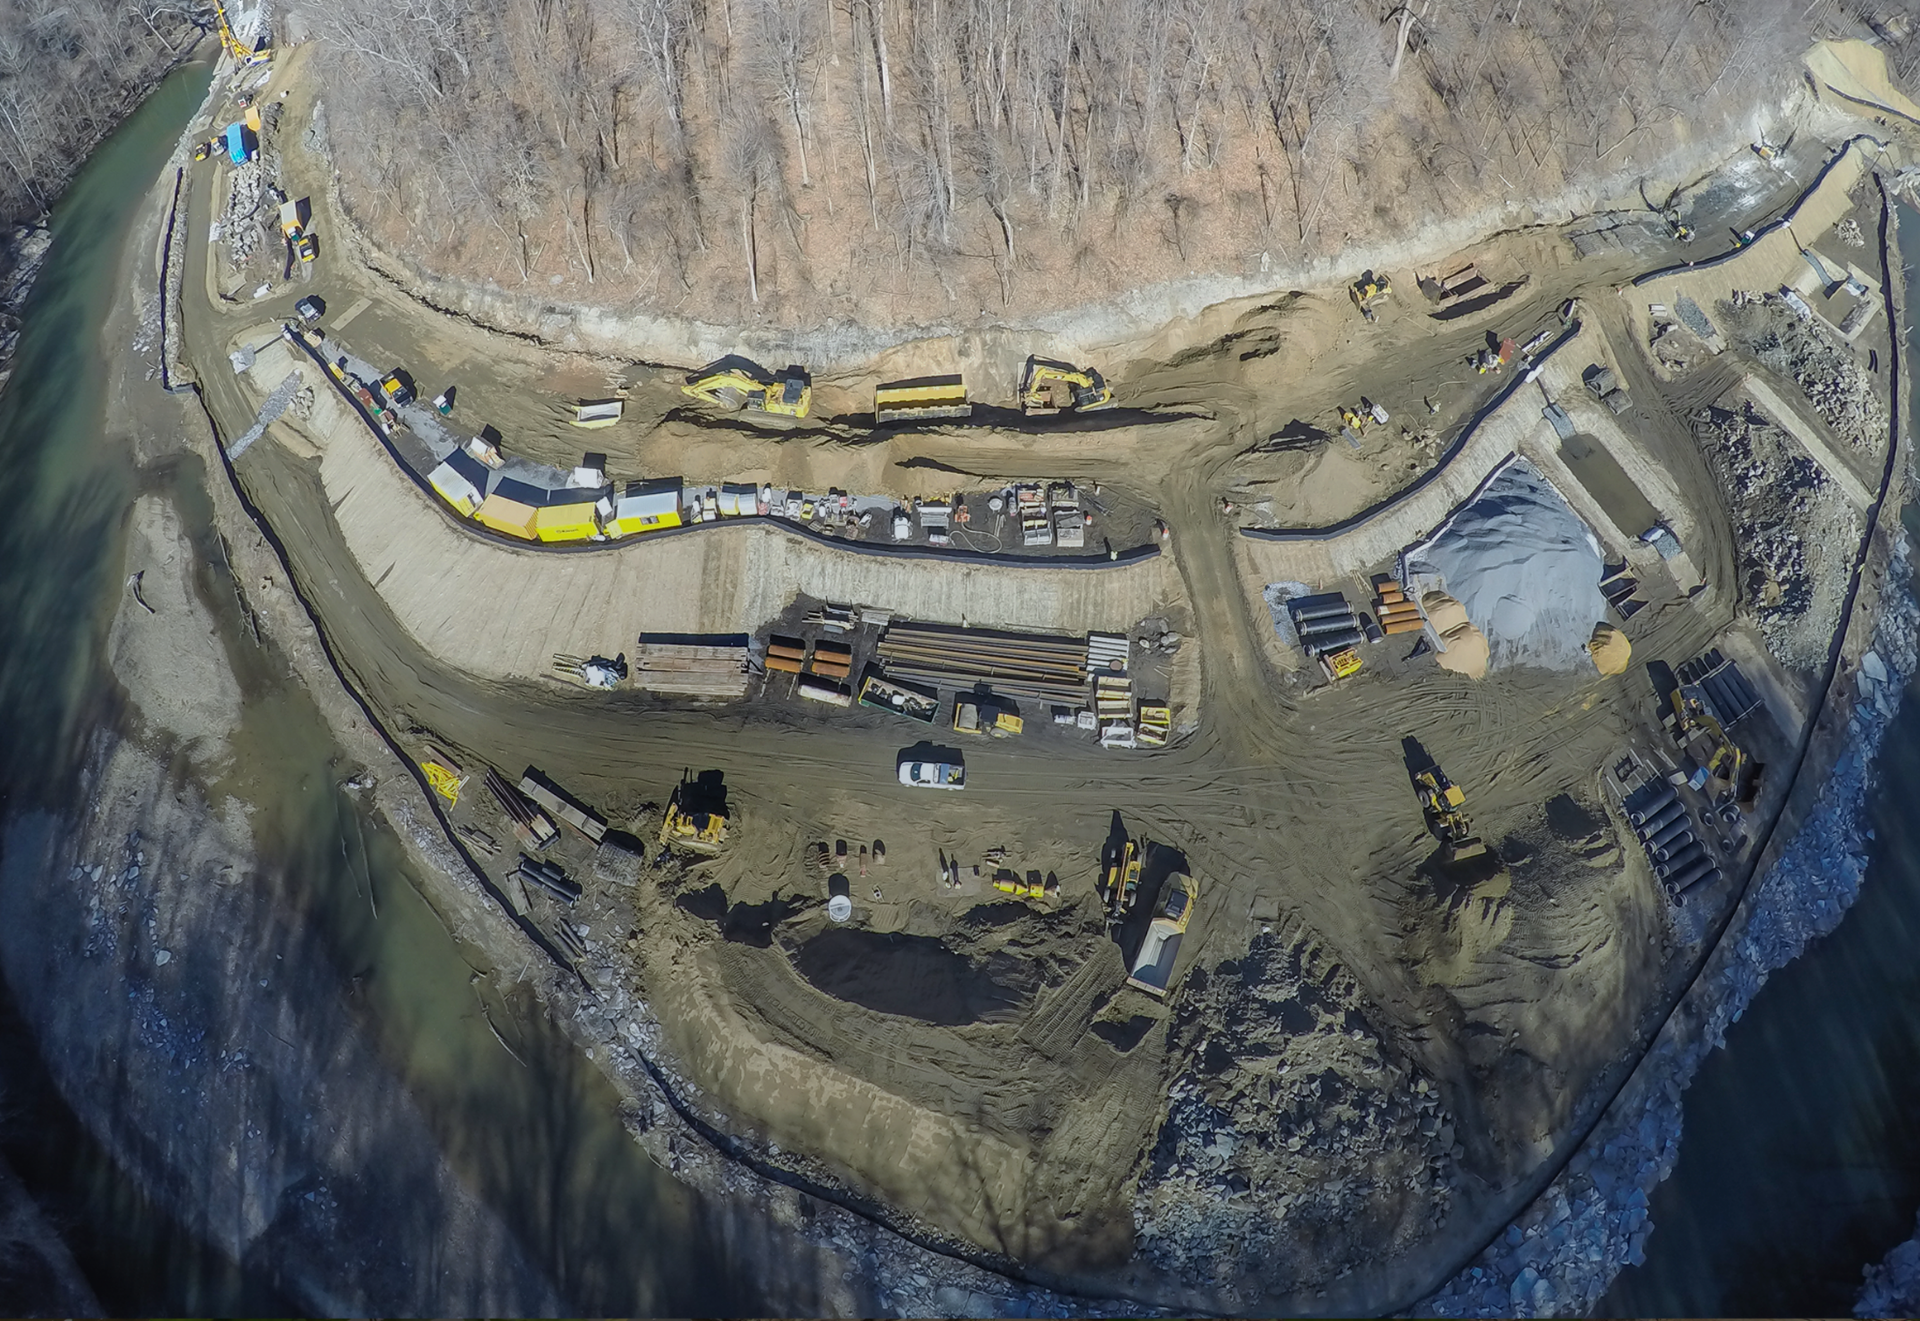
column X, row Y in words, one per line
column 783, row 664
column 550, row 796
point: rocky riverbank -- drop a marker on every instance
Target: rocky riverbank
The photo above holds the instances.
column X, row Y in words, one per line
column 22, row 254
column 1561, row 1255
column 1892, row 1287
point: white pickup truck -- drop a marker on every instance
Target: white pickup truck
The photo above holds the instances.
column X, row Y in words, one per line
column 933, row 774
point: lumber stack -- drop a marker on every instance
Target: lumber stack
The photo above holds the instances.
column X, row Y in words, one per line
column 691, row 669
column 1021, row 665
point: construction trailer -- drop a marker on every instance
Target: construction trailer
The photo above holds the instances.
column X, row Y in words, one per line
column 461, row 480
column 1048, row 387
column 738, row 383
column 922, row 399
column 646, row 507
column 1152, row 970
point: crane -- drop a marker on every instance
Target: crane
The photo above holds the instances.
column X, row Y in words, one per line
column 244, row 56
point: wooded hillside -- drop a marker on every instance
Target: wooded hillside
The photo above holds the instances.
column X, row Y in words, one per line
column 804, row 161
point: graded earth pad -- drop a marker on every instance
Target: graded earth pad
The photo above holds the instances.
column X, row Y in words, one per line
column 1524, row 566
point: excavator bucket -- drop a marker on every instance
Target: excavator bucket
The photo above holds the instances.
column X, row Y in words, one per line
column 1460, row 850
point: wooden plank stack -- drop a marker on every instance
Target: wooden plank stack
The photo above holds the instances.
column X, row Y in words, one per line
column 691, row 669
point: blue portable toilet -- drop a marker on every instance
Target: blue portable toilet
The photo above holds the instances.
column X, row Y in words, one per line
column 237, row 143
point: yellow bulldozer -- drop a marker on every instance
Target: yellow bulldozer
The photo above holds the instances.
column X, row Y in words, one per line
column 735, row 383
column 688, row 828
column 1444, row 804
column 1369, row 290
column 1048, row 387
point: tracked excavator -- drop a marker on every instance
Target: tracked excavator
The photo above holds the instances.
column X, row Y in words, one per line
column 1045, row 380
column 1444, row 804
column 736, row 383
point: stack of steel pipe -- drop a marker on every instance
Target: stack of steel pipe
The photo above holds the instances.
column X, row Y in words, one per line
column 1042, row 668
column 549, row 878
column 1397, row 614
column 1325, row 623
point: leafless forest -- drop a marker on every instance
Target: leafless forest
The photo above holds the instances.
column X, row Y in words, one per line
column 69, row 71
column 885, row 159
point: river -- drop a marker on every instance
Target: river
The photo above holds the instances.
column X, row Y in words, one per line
column 1801, row 1161
column 538, row 1138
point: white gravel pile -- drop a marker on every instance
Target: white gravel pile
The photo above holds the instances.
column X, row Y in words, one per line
column 1524, row 565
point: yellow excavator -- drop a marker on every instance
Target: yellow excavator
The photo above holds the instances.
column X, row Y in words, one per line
column 736, row 383
column 244, row 56
column 1045, row 381
column 1444, row 804
column 1369, row 290
column 1722, row 757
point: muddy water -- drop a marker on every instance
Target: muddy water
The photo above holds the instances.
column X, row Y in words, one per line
column 1801, row 1160
column 534, row 1132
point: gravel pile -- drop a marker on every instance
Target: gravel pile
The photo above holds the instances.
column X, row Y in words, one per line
column 1296, row 1146
column 1792, row 526
column 1892, row 1287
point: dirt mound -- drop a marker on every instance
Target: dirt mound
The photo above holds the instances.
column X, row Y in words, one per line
column 1610, row 649
column 1463, row 647
column 912, row 976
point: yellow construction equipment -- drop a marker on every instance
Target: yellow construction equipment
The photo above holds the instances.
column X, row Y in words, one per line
column 1696, row 731
column 1049, row 387
column 244, row 56
column 921, row 399
column 445, row 782
column 1122, row 881
column 696, row 832
column 1444, row 802
column 1152, row 969
column 736, row 383
column 1368, row 290
column 1343, row 663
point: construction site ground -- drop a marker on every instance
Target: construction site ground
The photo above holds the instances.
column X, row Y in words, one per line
column 1425, row 1035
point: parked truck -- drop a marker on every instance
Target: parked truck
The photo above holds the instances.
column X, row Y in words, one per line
column 293, row 223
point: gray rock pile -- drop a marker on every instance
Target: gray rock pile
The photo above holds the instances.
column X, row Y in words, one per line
column 1822, row 365
column 1789, row 520
column 1892, row 1288
column 1296, row 1145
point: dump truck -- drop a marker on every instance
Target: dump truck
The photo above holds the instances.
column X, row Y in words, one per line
column 396, row 389
column 1152, row 970
column 1444, row 804
column 1048, row 387
column 293, row 223
column 924, row 398
column 1370, row 290
column 694, row 831
column 738, row 384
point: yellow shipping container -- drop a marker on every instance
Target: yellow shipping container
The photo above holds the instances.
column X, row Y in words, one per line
column 508, row 516
column 565, row 522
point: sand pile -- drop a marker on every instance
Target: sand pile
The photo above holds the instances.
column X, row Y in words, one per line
column 1610, row 649
column 1524, row 567
column 1463, row 647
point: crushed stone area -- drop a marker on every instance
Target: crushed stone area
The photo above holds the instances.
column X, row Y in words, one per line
column 1559, row 1257
column 1796, row 529
column 1830, row 375
column 1524, row 566
column 1297, row 1144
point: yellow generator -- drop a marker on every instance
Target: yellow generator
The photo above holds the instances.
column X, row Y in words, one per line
column 1048, row 387
column 735, row 383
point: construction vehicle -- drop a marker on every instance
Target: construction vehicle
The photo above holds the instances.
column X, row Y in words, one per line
column 1700, row 734
column 736, row 383
column 1369, row 290
column 202, row 150
column 246, row 57
column 1044, row 381
column 1443, row 802
column 689, row 829
column 1152, row 969
column 396, row 389
column 921, row 399
column 973, row 715
column 1122, row 881
column 1342, row 664
column 1677, row 227
column 293, row 223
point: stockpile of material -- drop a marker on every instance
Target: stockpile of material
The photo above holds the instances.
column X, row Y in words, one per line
column 1522, row 565
column 1396, row 613
column 1610, row 649
column 1029, row 665
column 1665, row 830
column 1463, row 648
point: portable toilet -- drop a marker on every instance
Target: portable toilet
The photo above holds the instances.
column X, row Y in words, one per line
column 237, row 143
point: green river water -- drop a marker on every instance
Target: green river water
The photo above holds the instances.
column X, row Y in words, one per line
column 540, row 1142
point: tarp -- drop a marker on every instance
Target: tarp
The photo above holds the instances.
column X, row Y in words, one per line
column 571, row 522
column 508, row 516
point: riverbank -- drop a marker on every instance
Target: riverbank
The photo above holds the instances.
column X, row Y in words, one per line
column 1563, row 1253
